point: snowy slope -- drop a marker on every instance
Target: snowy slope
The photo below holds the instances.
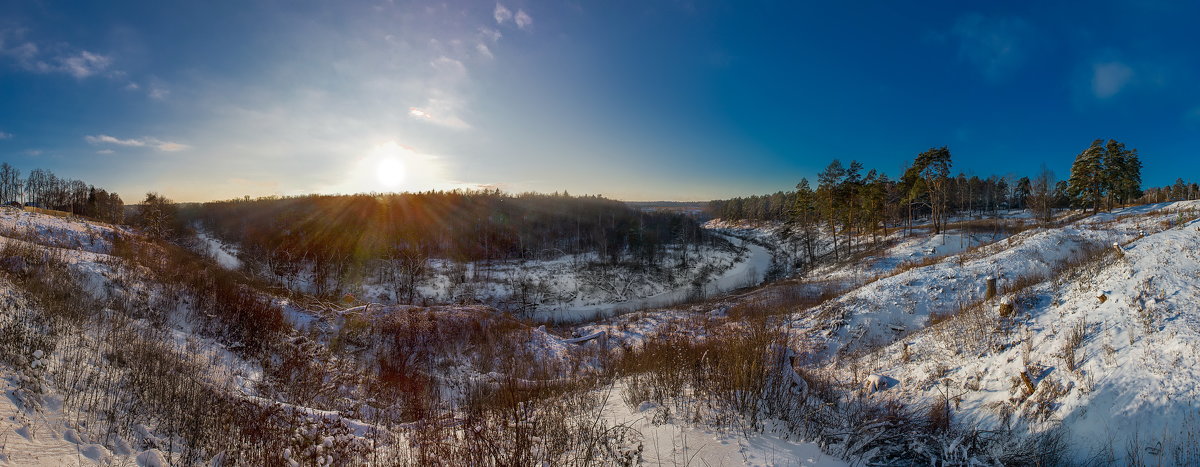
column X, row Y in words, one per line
column 667, row 441
column 1121, row 373
column 71, row 233
column 34, row 428
column 1133, row 392
column 881, row 311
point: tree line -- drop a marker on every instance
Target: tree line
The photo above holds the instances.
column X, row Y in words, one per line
column 337, row 237
column 850, row 204
column 43, row 189
column 1178, row 191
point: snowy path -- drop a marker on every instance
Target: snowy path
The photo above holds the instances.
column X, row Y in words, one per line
column 748, row 272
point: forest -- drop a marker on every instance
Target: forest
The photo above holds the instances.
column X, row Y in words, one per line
column 855, row 205
column 43, row 189
column 336, row 238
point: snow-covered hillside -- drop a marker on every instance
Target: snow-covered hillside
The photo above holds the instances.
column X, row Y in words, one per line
column 895, row 355
column 1104, row 326
column 1110, row 346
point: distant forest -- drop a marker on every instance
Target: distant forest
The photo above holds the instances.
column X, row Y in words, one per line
column 1098, row 180
column 336, row 236
column 853, row 202
column 43, row 189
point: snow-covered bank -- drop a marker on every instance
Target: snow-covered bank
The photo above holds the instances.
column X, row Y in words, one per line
column 748, row 272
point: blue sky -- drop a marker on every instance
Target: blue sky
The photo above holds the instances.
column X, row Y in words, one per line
column 638, row 100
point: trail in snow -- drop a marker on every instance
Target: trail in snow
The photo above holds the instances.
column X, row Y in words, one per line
column 748, row 272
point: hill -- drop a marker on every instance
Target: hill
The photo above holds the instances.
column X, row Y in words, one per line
column 121, row 349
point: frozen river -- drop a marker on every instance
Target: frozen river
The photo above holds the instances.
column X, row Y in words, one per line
column 750, row 271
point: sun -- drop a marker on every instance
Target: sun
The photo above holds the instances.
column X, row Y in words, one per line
column 390, row 169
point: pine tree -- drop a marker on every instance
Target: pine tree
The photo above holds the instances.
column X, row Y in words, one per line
column 1088, row 180
column 1123, row 173
column 849, row 189
column 1021, row 195
column 802, row 218
column 1178, row 190
column 831, row 200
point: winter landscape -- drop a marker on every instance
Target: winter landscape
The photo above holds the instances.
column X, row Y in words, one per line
column 427, row 233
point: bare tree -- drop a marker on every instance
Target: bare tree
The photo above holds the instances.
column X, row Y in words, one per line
column 1041, row 195
column 10, row 183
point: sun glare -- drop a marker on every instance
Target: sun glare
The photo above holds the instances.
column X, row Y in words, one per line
column 389, row 168
column 391, row 172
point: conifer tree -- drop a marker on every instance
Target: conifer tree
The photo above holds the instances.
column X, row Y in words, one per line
column 1088, row 179
column 1178, row 190
column 1123, row 171
column 831, row 202
column 1021, row 195
column 803, row 218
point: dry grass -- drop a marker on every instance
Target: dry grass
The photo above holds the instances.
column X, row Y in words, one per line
column 1071, row 342
column 49, row 212
column 784, row 299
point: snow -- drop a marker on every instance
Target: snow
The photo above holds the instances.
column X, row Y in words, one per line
column 221, row 252
column 672, row 442
column 1138, row 365
column 1136, row 382
column 41, row 437
column 748, row 272
column 62, row 232
column 151, row 458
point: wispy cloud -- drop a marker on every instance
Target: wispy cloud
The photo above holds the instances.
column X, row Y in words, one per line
column 442, row 110
column 502, row 14
column 84, row 64
column 158, row 91
column 486, row 36
column 155, row 88
column 4, row 135
column 484, row 50
column 491, row 35
column 150, row 142
column 523, row 20
column 443, row 105
column 105, row 151
column 59, row 58
column 997, row 46
column 1109, row 78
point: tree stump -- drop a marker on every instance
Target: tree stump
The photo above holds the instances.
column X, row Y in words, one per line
column 1006, row 307
column 991, row 288
column 1028, row 384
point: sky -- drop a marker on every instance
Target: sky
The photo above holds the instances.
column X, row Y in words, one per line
column 634, row 100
